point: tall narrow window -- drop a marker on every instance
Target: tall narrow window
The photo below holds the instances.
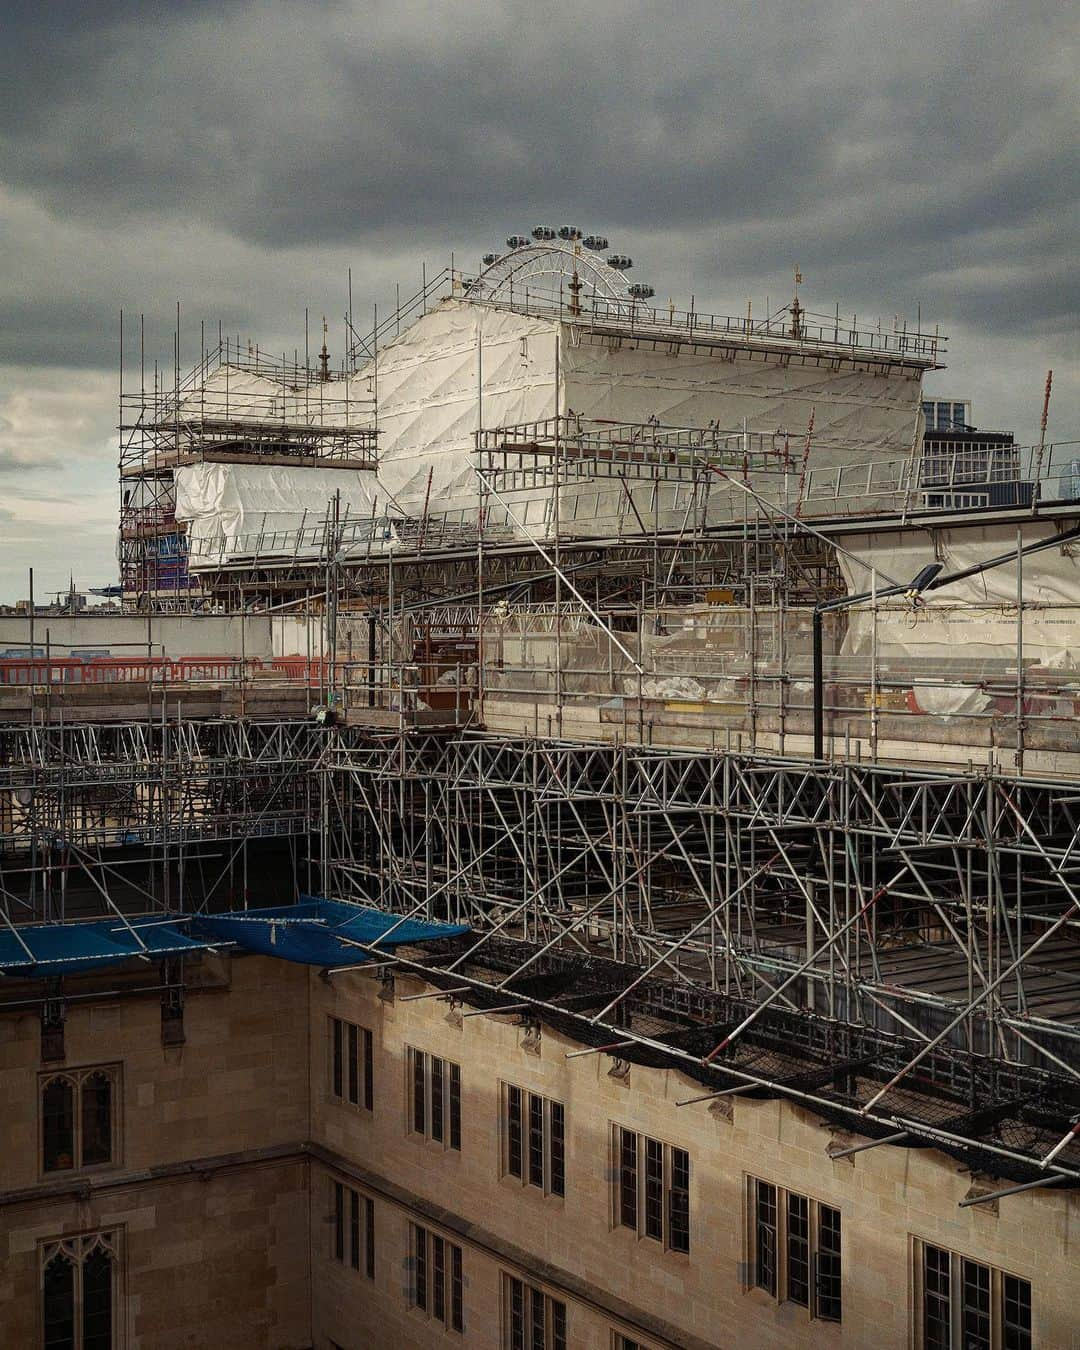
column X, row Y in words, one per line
column 975, row 1305
column 827, row 1287
column 966, row 1305
column 537, row 1134
column 765, row 1234
column 438, row 1078
column 351, row 1064
column 1016, row 1313
column 420, row 1267
column 435, row 1090
column 628, row 1176
column 97, row 1310
column 352, row 1219
column 96, row 1118
column 533, row 1140
column 78, row 1118
column 798, row 1249
column 457, row 1291
column 532, row 1320
column 337, row 1061
column 795, row 1249
column 369, row 1068
column 437, row 1283
column 354, row 1064
column 59, row 1300
column 558, row 1149
column 652, row 1189
column 513, row 1133
column 679, row 1201
column 419, row 1092
column 937, row 1301
column 354, row 1229
column 438, row 1278
column 58, row 1125
column 455, row 1106
column 79, row 1293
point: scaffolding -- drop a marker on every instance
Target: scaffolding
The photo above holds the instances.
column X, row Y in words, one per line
column 236, row 406
column 605, row 716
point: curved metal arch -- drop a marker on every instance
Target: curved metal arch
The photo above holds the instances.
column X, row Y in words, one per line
column 555, row 260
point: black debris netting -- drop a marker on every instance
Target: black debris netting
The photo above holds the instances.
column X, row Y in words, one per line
column 980, row 1100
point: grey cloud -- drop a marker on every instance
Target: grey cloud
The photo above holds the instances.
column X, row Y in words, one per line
column 240, row 155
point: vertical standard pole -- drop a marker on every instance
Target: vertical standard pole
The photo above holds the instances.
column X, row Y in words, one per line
column 557, row 509
column 873, row 664
column 1019, row 650
column 819, row 692
column 371, row 658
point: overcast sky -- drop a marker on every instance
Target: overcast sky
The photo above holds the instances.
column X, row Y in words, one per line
column 241, row 156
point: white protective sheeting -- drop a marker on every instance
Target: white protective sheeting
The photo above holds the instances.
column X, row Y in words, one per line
column 973, row 619
column 952, row 700
column 435, row 378
column 236, row 510
column 231, row 393
column 466, row 363
column 858, row 414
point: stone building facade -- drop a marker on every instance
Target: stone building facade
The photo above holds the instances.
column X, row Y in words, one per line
column 350, row 1161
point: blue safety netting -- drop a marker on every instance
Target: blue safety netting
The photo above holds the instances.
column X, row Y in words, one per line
column 42, row 949
column 319, row 932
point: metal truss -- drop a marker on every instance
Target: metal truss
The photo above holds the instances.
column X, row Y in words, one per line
column 87, row 801
column 928, row 920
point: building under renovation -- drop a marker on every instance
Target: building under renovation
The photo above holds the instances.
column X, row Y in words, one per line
column 571, row 843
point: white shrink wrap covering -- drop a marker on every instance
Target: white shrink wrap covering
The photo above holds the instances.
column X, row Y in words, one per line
column 464, row 361
column 859, row 415
column 234, row 510
column 433, row 381
column 230, row 393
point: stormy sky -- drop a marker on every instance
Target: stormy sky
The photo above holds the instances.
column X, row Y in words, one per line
column 240, row 157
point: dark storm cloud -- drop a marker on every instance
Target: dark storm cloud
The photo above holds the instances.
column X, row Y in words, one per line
column 240, row 155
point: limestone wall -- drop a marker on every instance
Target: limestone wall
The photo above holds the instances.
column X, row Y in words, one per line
column 888, row 1197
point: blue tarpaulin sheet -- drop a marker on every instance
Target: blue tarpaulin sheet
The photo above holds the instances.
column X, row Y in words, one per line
column 69, row 948
column 315, row 932
column 319, row 932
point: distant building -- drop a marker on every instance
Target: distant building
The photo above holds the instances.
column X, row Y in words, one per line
column 947, row 414
column 965, row 467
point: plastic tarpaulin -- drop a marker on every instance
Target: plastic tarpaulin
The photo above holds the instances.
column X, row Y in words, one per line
column 463, row 361
column 975, row 618
column 234, row 393
column 71, row 948
column 240, row 509
column 858, row 414
column 436, row 379
column 319, row 932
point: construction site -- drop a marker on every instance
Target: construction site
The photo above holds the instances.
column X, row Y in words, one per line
column 572, row 839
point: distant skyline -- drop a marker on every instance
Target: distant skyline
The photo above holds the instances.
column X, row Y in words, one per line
column 242, row 156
